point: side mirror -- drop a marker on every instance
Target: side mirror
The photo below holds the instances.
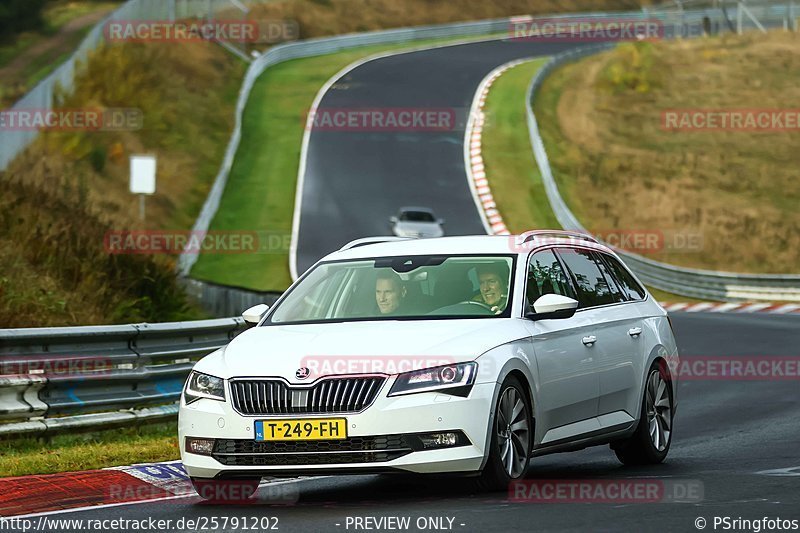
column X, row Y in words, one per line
column 552, row 306
column 255, row 313
column 440, row 221
column 393, row 220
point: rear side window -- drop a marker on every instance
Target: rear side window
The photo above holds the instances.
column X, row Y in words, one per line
column 593, row 288
column 629, row 286
column 546, row 276
column 609, row 277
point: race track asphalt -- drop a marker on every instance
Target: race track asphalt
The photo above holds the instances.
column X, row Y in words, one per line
column 355, row 180
column 726, row 433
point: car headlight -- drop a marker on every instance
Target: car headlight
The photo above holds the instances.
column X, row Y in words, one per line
column 452, row 379
column 204, row 386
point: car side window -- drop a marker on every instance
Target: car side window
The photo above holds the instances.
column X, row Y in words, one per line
column 629, row 286
column 610, row 280
column 546, row 276
column 593, row 289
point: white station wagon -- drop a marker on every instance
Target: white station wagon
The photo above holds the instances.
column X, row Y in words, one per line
column 459, row 354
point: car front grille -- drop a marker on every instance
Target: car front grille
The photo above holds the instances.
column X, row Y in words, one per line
column 373, row 449
column 334, row 395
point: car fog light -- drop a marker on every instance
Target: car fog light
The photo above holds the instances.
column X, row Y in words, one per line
column 199, row 446
column 439, row 440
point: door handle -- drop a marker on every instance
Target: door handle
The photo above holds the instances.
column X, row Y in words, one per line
column 635, row 332
column 588, row 341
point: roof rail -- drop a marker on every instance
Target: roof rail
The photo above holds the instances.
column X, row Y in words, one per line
column 527, row 236
column 371, row 240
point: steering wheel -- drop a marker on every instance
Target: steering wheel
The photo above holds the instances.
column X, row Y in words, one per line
column 479, row 304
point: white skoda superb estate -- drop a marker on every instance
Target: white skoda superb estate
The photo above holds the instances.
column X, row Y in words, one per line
column 460, row 354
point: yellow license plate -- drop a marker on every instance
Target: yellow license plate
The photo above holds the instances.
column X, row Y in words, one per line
column 301, row 429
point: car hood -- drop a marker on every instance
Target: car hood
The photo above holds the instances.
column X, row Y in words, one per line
column 386, row 347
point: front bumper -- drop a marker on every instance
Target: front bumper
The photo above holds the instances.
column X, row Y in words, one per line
column 395, row 417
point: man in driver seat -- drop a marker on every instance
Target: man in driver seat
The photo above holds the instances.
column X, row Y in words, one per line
column 493, row 282
column 390, row 293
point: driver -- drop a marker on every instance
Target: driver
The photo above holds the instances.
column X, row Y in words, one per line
column 389, row 292
column 493, row 282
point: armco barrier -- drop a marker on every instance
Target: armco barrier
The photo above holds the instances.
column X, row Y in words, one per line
column 704, row 284
column 100, row 376
column 225, row 300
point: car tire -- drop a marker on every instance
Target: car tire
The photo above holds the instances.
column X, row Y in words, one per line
column 653, row 436
column 225, row 490
column 500, row 469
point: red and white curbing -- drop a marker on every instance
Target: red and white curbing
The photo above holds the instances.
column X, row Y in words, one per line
column 479, row 183
column 746, row 307
column 40, row 495
column 69, row 491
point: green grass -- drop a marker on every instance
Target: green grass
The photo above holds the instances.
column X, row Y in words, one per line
column 261, row 187
column 72, row 453
column 514, row 176
column 510, row 165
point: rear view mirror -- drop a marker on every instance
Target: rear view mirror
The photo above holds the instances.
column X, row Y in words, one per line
column 255, row 313
column 393, row 220
column 552, row 306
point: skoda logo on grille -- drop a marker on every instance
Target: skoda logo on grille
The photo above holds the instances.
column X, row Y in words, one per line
column 302, row 373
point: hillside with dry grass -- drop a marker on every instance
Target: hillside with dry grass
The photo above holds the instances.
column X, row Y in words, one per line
column 621, row 169
column 330, row 17
column 69, row 189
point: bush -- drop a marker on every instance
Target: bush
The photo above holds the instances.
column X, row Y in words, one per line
column 20, row 15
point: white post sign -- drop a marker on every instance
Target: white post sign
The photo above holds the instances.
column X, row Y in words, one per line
column 143, row 178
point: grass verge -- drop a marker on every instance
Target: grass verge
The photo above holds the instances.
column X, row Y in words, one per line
column 510, row 165
column 724, row 199
column 506, row 148
column 102, row 449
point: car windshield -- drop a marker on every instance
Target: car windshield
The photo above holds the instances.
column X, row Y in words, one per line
column 417, row 216
column 407, row 288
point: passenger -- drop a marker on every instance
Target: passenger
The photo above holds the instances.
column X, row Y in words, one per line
column 389, row 292
column 493, row 282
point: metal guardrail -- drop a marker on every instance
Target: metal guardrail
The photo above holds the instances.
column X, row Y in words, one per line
column 89, row 377
column 696, row 283
column 225, row 300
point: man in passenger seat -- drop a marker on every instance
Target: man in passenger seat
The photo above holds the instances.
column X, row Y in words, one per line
column 493, row 282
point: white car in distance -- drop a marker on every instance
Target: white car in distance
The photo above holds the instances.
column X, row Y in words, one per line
column 467, row 355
